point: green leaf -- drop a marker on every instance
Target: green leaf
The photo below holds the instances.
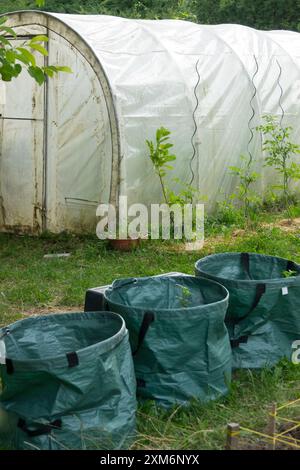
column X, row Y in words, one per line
column 5, row 41
column 65, row 69
column 11, row 55
column 41, row 38
column 8, row 30
column 166, row 146
column 38, row 74
column 26, row 56
column 18, row 69
column 5, row 76
column 170, row 158
column 49, row 72
column 39, row 48
column 162, row 132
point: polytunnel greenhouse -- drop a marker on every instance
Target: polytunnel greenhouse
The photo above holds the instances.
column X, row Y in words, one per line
column 80, row 139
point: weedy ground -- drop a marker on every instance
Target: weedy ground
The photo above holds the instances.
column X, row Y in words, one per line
column 31, row 284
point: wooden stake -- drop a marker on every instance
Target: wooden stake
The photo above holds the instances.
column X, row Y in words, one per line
column 233, row 431
column 272, row 426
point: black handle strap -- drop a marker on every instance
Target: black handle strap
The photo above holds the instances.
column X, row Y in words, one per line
column 141, row 383
column 260, row 291
column 236, row 342
column 119, row 284
column 6, row 332
column 9, row 366
column 73, row 359
column 147, row 320
column 290, row 266
column 41, row 430
column 245, row 260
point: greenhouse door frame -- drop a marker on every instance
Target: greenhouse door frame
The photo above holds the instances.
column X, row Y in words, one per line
column 50, row 23
column 25, row 212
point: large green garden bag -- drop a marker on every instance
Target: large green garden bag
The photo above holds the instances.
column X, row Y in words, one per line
column 68, row 382
column 264, row 305
column 179, row 340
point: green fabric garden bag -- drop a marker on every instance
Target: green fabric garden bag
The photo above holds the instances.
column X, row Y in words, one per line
column 179, row 340
column 68, row 382
column 263, row 317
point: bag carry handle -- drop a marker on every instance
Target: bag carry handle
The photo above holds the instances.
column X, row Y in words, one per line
column 123, row 283
column 236, row 342
column 72, row 360
column 147, row 320
column 291, row 266
column 260, row 288
column 245, row 259
column 260, row 291
column 42, row 430
column 9, row 366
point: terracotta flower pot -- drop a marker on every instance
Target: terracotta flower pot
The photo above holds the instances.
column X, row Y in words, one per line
column 124, row 245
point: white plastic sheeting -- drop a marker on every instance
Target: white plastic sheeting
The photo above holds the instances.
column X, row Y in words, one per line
column 210, row 85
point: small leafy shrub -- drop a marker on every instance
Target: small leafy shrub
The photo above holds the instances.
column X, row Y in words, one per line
column 244, row 195
column 274, row 202
column 226, row 214
column 161, row 157
column 159, row 153
column 186, row 195
column 279, row 154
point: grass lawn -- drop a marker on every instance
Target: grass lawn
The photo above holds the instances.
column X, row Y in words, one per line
column 30, row 284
